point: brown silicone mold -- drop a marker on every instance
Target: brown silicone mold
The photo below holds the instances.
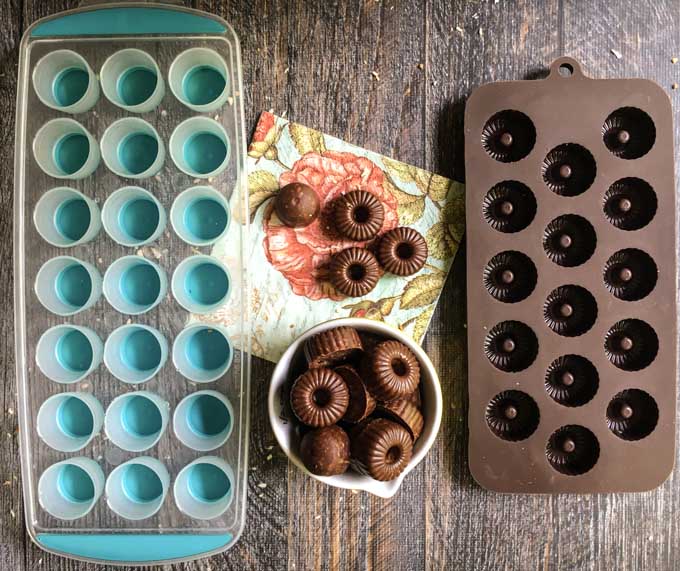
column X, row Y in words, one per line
column 571, row 284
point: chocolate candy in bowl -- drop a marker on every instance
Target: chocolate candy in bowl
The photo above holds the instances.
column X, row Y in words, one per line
column 326, row 451
column 398, row 415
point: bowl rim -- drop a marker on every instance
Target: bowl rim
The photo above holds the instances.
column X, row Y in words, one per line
column 279, row 375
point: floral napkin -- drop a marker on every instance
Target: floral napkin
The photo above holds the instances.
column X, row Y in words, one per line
column 287, row 265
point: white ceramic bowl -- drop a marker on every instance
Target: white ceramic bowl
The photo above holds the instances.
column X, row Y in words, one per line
column 284, row 427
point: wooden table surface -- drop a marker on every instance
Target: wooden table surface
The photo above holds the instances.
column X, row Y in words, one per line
column 391, row 76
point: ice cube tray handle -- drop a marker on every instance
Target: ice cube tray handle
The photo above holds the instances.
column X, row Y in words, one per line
column 87, row 3
column 566, row 68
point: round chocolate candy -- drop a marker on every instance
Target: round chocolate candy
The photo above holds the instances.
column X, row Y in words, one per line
column 391, row 372
column 326, row 451
column 406, row 413
column 361, row 403
column 358, row 215
column 332, row 347
column 319, row 397
column 297, row 205
column 402, row 251
column 354, row 272
column 382, row 449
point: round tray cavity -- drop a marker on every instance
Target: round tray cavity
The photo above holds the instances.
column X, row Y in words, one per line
column 509, row 206
column 570, row 310
column 510, row 276
column 629, row 133
column 631, row 344
column 508, row 136
column 630, row 274
column 512, row 415
column 511, row 346
column 632, row 414
column 629, row 204
column 569, row 169
column 571, row 380
column 572, row 450
column 569, row 240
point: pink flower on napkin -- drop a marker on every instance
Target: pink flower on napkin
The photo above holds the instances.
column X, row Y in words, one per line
column 300, row 254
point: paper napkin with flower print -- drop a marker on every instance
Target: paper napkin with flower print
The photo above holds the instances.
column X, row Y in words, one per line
column 287, row 265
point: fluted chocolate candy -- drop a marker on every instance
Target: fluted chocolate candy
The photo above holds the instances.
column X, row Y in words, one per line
column 354, row 272
column 391, row 372
column 382, row 449
column 319, row 397
column 358, row 215
column 297, row 205
column 361, row 403
column 405, row 413
column 332, row 347
column 326, row 451
column 402, row 251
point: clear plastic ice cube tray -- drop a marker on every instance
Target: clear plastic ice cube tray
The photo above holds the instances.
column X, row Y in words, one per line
column 196, row 523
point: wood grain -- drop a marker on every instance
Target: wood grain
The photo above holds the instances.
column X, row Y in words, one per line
column 313, row 61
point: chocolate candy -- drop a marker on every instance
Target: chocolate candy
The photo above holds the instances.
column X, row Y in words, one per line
column 382, row 449
column 297, row 205
column 402, row 251
column 391, row 372
column 361, row 403
column 405, row 413
column 359, row 215
column 354, row 272
column 319, row 397
column 332, row 347
column 326, row 451
column 415, row 398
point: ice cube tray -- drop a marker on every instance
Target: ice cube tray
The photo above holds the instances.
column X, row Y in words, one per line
column 571, row 284
column 142, row 479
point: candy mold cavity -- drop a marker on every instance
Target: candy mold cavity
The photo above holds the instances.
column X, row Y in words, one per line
column 509, row 206
column 508, row 136
column 510, row 276
column 629, row 133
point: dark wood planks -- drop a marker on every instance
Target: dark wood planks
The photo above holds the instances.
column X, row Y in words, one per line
column 314, row 60
column 12, row 535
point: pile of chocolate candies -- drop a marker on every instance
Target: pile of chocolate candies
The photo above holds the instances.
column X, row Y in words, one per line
column 357, row 216
column 359, row 404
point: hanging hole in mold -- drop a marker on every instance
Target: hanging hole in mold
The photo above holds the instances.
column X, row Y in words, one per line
column 569, row 240
column 508, row 136
column 629, row 204
column 632, row 414
column 512, row 415
column 571, row 380
column 509, row 206
column 570, row 310
column 630, row 274
column 566, row 70
column 569, row 169
column 510, row 276
column 511, row 346
column 629, row 133
column 572, row 450
column 631, row 344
